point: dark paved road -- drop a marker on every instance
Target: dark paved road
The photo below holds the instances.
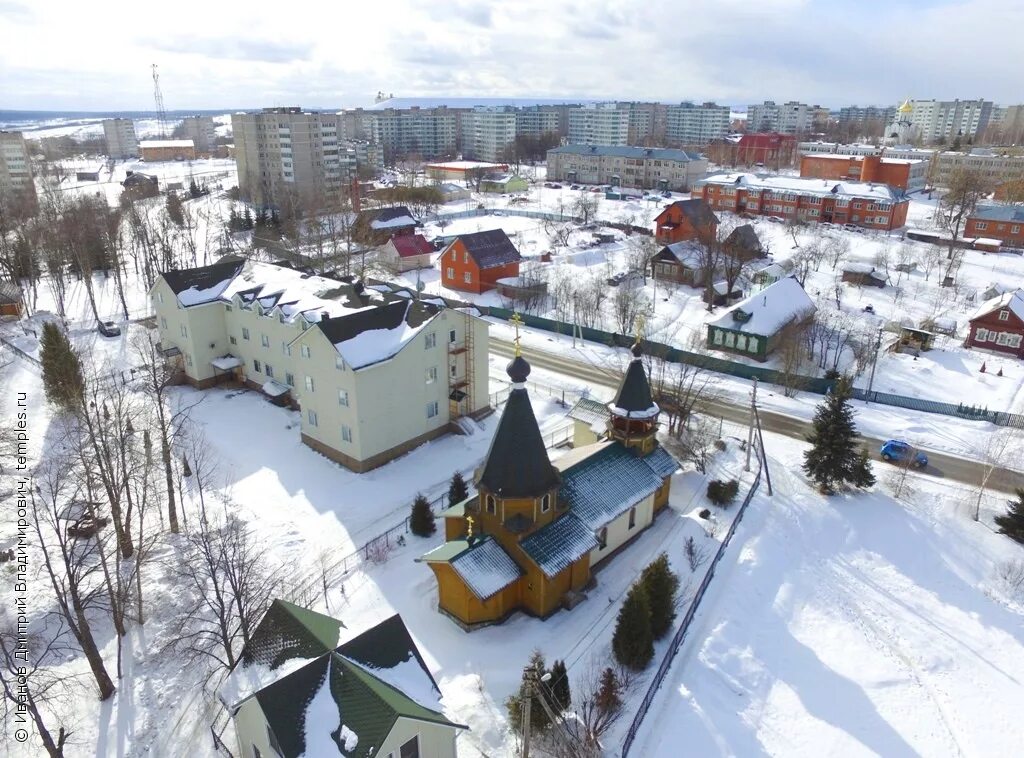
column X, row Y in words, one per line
column 940, row 465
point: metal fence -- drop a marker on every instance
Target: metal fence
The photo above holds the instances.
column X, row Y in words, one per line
column 475, row 212
column 680, row 636
column 817, row 385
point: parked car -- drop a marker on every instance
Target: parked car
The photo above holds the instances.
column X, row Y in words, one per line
column 108, row 329
column 777, row 219
column 853, row 228
column 666, row 193
column 556, row 186
column 575, row 187
column 897, row 451
column 622, row 276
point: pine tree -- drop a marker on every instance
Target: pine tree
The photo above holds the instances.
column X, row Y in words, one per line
column 1012, row 524
column 175, row 211
column 421, row 520
column 661, row 585
column 457, row 490
column 186, row 470
column 632, row 642
column 833, row 458
column 247, row 218
column 62, row 370
column 539, row 720
column 608, row 697
column 559, row 694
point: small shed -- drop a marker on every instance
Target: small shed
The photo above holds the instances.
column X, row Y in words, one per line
column 406, row 252
column 12, row 300
column 504, row 183
column 863, row 275
column 914, row 341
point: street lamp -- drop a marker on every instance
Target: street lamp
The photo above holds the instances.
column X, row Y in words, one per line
column 874, row 363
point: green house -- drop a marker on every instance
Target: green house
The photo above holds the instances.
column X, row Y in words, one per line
column 504, row 183
column 754, row 327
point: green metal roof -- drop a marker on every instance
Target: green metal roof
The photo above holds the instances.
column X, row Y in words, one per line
column 556, row 546
column 289, row 631
column 445, row 553
column 459, row 509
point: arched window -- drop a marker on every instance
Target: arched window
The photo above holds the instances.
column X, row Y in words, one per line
column 545, row 504
column 491, row 506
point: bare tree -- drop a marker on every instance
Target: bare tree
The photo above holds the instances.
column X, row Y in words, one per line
column 696, row 555
column 584, row 207
column 967, row 187
column 629, row 302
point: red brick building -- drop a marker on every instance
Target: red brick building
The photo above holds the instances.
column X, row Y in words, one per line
column 999, row 325
column 770, row 149
column 1001, row 222
column 685, row 220
column 904, row 174
column 872, row 206
column 475, row 262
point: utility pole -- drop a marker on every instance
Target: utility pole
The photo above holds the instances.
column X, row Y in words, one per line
column 750, row 430
column 529, row 679
column 871, row 380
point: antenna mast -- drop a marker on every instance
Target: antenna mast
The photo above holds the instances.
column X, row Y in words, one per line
column 158, row 100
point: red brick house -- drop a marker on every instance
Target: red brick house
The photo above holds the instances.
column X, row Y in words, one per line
column 998, row 325
column 685, row 220
column 475, row 262
column 1001, row 222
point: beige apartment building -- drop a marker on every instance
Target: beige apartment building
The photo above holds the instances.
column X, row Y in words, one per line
column 202, row 131
column 287, row 157
column 374, row 371
column 16, row 185
column 645, row 167
column 120, row 137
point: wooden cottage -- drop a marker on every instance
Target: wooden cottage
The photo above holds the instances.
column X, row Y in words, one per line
column 376, row 226
column 998, row 325
column 863, row 275
column 685, row 220
column 475, row 262
column 754, row 326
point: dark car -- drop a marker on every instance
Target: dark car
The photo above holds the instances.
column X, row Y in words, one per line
column 898, row 451
column 108, row 329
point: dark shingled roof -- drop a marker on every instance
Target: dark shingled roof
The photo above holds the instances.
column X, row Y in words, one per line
column 696, row 209
column 10, row 293
column 491, row 248
column 634, row 395
column 745, row 240
column 202, row 277
column 388, row 214
column 414, row 313
column 289, row 631
column 517, row 464
column 559, row 544
column 608, row 482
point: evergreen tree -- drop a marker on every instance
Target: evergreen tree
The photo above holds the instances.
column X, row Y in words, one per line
column 457, row 490
column 186, row 470
column 608, row 697
column 193, row 189
column 539, row 720
column 247, row 219
column 62, row 370
column 421, row 520
column 1012, row 524
column 175, row 211
column 833, row 458
column 661, row 585
column 559, row 694
column 632, row 642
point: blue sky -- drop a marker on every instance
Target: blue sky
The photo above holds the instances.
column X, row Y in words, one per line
column 73, row 55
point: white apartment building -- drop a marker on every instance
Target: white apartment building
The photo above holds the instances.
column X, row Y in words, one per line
column 287, row 157
column 425, row 132
column 788, row 118
column 487, row 132
column 689, row 124
column 16, row 185
column 373, row 370
column 643, row 167
column 119, row 134
column 598, row 124
column 933, row 120
column 201, row 130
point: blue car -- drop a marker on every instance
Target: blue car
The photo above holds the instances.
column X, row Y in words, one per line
column 898, row 451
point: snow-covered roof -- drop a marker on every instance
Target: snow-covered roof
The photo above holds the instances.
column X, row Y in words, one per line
column 486, row 568
column 803, row 186
column 464, row 165
column 226, row 362
column 372, row 335
column 769, row 310
column 392, row 223
column 1013, row 301
column 1014, row 213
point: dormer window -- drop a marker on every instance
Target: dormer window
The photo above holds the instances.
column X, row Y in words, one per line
column 490, row 503
column 1004, row 315
column 545, row 504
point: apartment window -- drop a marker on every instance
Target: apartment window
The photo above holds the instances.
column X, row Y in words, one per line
column 449, row 273
column 339, row 363
column 310, row 385
column 980, row 225
column 184, row 331
column 432, row 409
column 268, row 370
column 163, row 322
column 632, row 517
column 232, row 340
column 343, row 397
column 410, row 749
column 311, row 417
column 430, row 341
column 160, row 297
column 1015, row 229
column 451, row 336
column 602, row 538
column 289, row 379
column 467, row 277
column 1004, row 315
column 245, row 333
column 256, row 366
column 431, row 374
column 228, row 308
column 306, row 352
column 491, row 505
column 346, row 433
column 188, row 360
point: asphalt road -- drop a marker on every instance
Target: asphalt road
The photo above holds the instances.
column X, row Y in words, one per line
column 940, row 465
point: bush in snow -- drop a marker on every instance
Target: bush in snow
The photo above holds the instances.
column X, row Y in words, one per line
column 632, row 642
column 1012, row 524
column 834, row 458
column 661, row 585
column 704, row 513
column 62, row 370
column 720, row 445
column 421, row 520
column 457, row 490
column 723, row 493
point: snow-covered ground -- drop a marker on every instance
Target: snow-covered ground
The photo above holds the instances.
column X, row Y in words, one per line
column 856, row 625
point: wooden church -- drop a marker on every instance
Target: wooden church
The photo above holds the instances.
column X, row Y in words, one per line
column 529, row 538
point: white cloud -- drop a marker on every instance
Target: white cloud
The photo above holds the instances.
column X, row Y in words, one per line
column 63, row 54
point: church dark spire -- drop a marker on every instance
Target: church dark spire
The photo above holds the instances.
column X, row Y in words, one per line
column 517, row 464
column 634, row 396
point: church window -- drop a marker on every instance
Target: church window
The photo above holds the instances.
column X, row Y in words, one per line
column 632, row 517
column 545, row 504
column 602, row 538
column 491, row 507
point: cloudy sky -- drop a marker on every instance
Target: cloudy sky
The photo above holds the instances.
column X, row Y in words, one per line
column 74, row 55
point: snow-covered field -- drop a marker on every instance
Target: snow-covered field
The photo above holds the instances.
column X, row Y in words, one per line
column 849, row 626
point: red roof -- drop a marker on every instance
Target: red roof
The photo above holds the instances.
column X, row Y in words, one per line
column 409, row 245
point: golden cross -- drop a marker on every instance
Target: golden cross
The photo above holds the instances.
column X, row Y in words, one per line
column 517, row 322
column 469, row 527
column 640, row 323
